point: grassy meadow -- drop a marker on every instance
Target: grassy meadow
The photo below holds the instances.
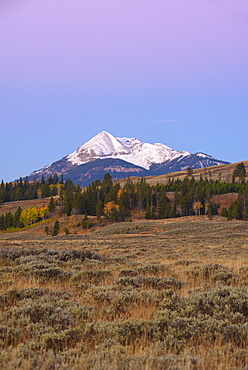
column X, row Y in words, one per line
column 146, row 294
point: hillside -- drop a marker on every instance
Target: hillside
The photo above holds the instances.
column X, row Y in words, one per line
column 146, row 294
column 220, row 172
column 150, row 197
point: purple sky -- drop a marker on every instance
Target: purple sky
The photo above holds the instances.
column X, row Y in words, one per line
column 163, row 71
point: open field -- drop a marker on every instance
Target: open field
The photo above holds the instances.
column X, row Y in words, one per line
column 164, row 294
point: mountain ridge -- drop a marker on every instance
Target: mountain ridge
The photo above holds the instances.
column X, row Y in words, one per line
column 122, row 157
column 105, row 145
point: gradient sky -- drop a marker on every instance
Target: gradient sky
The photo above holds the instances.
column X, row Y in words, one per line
column 165, row 71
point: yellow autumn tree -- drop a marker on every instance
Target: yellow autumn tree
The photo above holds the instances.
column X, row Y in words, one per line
column 29, row 216
column 42, row 212
column 120, row 191
column 109, row 208
column 197, row 208
column 53, row 189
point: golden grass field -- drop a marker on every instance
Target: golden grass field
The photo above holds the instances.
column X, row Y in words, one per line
column 146, row 294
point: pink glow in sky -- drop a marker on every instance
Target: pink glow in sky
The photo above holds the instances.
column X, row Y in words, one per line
column 118, row 42
column 170, row 71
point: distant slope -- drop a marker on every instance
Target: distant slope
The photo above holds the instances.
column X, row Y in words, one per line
column 85, row 174
column 221, row 172
column 194, row 161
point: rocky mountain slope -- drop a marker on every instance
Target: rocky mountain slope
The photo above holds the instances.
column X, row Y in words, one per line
column 122, row 157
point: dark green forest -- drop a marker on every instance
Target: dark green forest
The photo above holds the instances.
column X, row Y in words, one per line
column 190, row 197
column 26, row 190
column 108, row 199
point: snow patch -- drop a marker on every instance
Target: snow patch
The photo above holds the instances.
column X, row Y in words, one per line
column 104, row 145
column 203, row 155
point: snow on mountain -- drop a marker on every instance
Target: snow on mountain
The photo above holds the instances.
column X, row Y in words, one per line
column 105, row 145
column 203, row 155
column 122, row 157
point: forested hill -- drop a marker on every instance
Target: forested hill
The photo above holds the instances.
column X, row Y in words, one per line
column 108, row 199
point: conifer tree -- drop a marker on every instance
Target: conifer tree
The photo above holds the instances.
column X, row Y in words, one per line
column 55, row 228
column 99, row 210
column 148, row 214
column 2, row 223
column 189, row 171
column 46, row 230
column 51, row 206
column 9, row 220
column 210, row 213
column 17, row 218
column 224, row 212
column 240, row 171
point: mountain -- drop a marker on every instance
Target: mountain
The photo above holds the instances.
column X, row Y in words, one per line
column 105, row 145
column 122, row 157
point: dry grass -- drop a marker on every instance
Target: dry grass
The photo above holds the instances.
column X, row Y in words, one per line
column 132, row 295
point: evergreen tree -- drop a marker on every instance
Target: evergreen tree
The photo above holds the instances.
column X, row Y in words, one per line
column 55, row 178
column 107, row 182
column 210, row 213
column 45, row 190
column 2, row 223
column 163, row 202
column 240, row 171
column 99, row 210
column 51, row 206
column 189, row 172
column 68, row 197
column 46, row 230
column 78, row 201
column 224, row 212
column 16, row 194
column 9, row 220
column 148, row 214
column 17, row 218
column 55, row 228
column 246, row 213
column 168, row 211
column 68, row 205
column 235, row 211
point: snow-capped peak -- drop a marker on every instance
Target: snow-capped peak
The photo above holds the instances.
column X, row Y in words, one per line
column 203, row 155
column 104, row 145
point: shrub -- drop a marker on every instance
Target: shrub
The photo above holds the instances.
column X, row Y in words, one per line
column 128, row 273
column 91, row 276
column 212, row 271
column 151, row 282
column 152, row 269
column 17, row 255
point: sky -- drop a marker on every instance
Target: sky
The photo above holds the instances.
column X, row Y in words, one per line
column 167, row 71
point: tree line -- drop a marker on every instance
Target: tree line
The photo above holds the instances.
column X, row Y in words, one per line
column 189, row 197
column 26, row 190
column 108, row 199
